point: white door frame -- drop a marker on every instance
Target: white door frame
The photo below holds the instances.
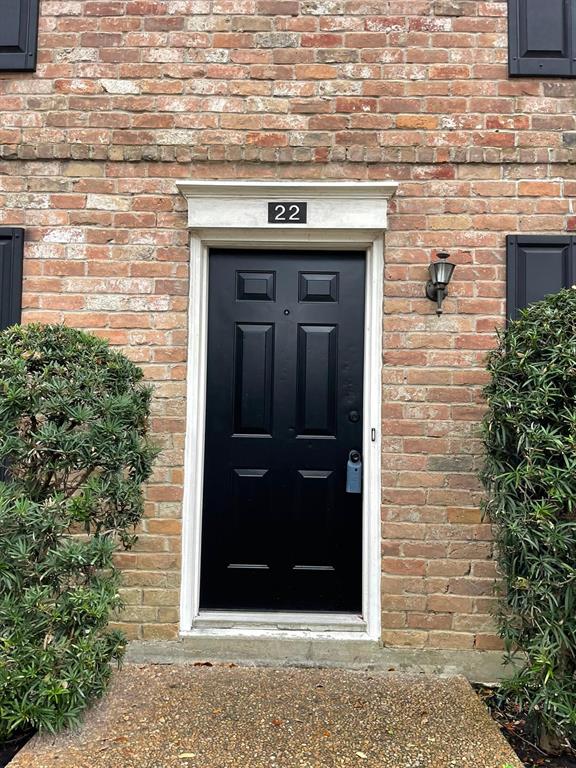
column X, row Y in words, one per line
column 217, row 211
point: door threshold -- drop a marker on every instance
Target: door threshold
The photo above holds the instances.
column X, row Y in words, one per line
column 279, row 621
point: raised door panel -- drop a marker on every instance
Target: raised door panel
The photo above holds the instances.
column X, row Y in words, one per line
column 313, row 520
column 254, row 353
column 318, row 286
column 317, row 379
column 250, row 520
column 255, row 286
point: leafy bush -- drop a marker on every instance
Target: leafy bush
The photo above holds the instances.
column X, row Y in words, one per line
column 73, row 426
column 530, row 476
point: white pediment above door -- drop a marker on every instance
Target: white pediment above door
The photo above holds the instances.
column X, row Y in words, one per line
column 270, row 205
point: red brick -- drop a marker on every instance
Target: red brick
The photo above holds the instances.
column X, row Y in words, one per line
column 404, row 566
column 68, row 201
column 539, row 188
column 362, row 105
column 322, row 41
column 315, row 72
column 279, row 7
column 366, row 40
column 235, row 40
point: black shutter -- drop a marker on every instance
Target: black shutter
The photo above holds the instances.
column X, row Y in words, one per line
column 542, row 37
column 11, row 253
column 18, row 34
column 538, row 265
column 11, row 256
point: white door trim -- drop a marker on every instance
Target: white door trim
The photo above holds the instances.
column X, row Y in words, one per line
column 218, row 227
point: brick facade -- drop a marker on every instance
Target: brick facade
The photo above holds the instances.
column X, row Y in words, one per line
column 131, row 96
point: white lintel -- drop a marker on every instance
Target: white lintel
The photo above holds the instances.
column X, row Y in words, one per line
column 351, row 205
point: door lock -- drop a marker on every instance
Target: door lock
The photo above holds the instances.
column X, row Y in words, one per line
column 354, row 472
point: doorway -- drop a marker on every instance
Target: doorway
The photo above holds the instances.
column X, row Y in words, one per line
column 341, row 216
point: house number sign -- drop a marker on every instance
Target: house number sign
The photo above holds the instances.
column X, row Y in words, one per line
column 287, row 213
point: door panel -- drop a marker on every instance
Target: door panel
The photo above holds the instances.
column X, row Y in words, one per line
column 250, row 524
column 254, row 350
column 285, row 370
column 317, row 379
column 313, row 510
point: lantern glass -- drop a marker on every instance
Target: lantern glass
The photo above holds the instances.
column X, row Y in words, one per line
column 441, row 272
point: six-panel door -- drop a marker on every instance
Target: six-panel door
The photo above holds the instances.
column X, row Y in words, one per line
column 284, row 410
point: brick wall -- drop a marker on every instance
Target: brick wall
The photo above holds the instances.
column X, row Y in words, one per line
column 131, row 95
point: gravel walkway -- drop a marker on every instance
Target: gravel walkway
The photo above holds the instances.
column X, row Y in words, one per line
column 225, row 716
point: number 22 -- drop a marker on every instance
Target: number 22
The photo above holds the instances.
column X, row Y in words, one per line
column 280, row 212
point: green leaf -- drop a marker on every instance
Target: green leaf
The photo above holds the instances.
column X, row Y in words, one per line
column 530, row 480
column 73, row 431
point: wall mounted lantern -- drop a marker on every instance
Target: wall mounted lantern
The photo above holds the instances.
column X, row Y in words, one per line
column 440, row 275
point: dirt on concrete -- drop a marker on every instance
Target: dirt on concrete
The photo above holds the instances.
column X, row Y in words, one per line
column 224, row 716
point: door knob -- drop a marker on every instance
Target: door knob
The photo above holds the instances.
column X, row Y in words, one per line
column 354, row 416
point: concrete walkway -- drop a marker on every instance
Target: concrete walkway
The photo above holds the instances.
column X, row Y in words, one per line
column 232, row 717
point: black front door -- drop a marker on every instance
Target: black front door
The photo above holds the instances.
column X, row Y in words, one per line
column 284, row 411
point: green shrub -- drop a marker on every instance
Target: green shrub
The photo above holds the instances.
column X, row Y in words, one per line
column 73, row 426
column 530, row 477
